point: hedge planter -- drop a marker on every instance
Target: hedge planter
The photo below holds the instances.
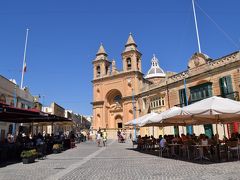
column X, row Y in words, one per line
column 57, row 148
column 28, row 156
column 28, row 160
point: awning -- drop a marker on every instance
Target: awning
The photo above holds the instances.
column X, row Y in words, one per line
column 18, row 115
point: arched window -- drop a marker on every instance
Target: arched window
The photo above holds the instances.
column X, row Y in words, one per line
column 98, row 71
column 129, row 63
column 106, row 70
column 2, row 99
column 117, row 99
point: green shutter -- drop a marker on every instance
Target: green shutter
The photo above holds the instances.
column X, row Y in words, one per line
column 182, row 97
column 226, row 87
column 221, row 86
column 229, row 84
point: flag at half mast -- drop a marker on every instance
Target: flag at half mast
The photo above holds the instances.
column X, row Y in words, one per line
column 25, row 67
column 24, row 59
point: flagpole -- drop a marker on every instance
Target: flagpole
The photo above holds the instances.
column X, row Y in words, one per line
column 24, row 58
column 196, row 26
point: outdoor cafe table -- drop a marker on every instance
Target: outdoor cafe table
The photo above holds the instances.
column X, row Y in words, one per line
column 201, row 154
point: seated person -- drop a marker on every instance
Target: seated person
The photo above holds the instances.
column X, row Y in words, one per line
column 184, row 138
column 204, row 140
column 163, row 142
column 152, row 142
column 176, row 139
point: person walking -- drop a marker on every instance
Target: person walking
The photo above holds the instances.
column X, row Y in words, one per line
column 130, row 136
column 98, row 138
column 104, row 138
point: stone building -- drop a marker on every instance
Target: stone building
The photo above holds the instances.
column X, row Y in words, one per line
column 113, row 89
column 55, row 127
column 119, row 96
column 204, row 78
column 12, row 95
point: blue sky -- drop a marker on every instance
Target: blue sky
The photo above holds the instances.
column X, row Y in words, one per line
column 65, row 35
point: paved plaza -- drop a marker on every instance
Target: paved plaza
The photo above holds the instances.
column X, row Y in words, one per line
column 116, row 161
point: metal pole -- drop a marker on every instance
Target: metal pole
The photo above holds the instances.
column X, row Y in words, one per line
column 24, row 58
column 185, row 88
column 43, row 102
column 153, row 130
column 196, row 26
column 134, row 114
column 15, row 105
column 189, row 128
column 224, row 132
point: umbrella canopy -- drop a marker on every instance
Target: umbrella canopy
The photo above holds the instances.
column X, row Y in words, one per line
column 209, row 111
column 141, row 120
column 171, row 114
column 146, row 120
column 214, row 105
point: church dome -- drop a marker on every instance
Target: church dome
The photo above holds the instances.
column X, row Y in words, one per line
column 155, row 70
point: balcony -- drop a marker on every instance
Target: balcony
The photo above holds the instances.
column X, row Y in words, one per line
column 233, row 95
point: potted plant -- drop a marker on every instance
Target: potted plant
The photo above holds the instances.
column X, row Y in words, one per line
column 28, row 156
column 57, row 148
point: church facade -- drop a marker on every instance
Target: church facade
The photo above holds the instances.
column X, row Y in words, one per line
column 120, row 96
column 113, row 89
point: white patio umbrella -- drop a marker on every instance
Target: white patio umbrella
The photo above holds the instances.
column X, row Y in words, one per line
column 174, row 113
column 212, row 110
column 145, row 121
column 140, row 120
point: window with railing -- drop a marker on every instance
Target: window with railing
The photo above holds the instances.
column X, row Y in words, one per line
column 200, row 92
column 156, row 102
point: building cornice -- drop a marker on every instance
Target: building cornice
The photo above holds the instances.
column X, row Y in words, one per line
column 130, row 51
column 97, row 103
column 119, row 75
column 213, row 67
column 100, row 60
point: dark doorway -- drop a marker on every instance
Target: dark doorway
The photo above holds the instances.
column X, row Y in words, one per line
column 119, row 125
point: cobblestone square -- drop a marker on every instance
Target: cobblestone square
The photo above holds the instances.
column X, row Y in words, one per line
column 116, row 161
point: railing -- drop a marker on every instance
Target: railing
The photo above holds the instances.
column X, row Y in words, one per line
column 233, row 95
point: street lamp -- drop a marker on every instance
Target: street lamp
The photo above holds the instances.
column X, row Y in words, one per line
column 134, row 107
column 189, row 128
column 134, row 114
